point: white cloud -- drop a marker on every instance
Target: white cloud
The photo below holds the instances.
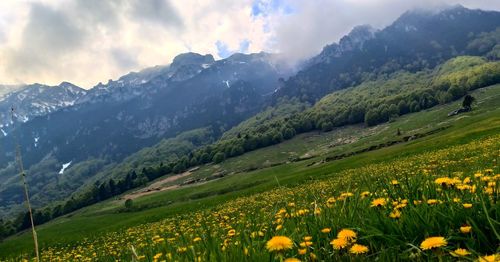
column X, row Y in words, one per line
column 87, row 41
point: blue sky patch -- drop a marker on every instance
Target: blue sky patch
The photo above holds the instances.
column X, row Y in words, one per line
column 244, row 44
column 222, row 49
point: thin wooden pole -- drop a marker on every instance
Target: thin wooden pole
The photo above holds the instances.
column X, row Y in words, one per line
column 19, row 161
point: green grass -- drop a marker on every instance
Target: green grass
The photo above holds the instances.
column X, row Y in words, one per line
column 103, row 217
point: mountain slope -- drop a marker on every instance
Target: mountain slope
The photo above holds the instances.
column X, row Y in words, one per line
column 416, row 40
column 117, row 119
column 35, row 100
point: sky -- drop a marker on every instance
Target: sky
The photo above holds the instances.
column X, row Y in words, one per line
column 90, row 41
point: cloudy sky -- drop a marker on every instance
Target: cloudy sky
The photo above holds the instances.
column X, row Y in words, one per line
column 91, row 41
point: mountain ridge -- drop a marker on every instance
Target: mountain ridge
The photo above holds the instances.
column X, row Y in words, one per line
column 157, row 103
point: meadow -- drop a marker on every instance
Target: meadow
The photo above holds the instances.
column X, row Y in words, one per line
column 235, row 217
column 440, row 205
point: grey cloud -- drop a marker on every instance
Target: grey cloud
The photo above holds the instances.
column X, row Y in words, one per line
column 124, row 59
column 98, row 12
column 156, row 11
column 51, row 30
column 48, row 35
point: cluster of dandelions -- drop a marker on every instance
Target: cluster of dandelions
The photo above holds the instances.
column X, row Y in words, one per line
column 439, row 204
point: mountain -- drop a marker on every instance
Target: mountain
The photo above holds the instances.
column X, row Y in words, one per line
column 34, row 100
column 183, row 67
column 5, row 89
column 140, row 109
column 417, row 39
column 85, row 144
column 352, row 41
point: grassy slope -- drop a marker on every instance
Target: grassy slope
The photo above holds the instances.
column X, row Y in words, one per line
column 485, row 120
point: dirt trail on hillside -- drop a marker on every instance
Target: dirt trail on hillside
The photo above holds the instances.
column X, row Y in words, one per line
column 157, row 186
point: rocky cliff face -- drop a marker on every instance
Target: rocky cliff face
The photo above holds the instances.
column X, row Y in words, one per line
column 36, row 100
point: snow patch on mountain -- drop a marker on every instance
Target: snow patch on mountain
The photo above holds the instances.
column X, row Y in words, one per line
column 64, row 167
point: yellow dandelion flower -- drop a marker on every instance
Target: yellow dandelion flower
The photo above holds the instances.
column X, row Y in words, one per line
column 347, row 234
column 307, row 238
column 302, row 251
column 395, row 214
column 394, row 182
column 432, row 201
column 278, row 243
column 358, row 249
column 443, row 181
column 489, row 258
column 460, row 252
column 467, row 205
column 196, row 239
column 279, row 227
column 433, row 242
column 326, row 230
column 339, row 243
column 379, row 202
column 292, row 259
column 306, row 244
column 231, row 233
column 331, row 200
column 157, row 256
column 465, row 229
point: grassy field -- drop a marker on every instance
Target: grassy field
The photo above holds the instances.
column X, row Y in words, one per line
column 274, row 170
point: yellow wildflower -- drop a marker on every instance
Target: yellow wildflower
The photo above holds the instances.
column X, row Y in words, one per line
column 432, row 201
column 490, row 258
column 433, row 242
column 196, row 239
column 358, row 249
column 465, row 229
column 339, row 243
column 278, row 243
column 231, row 233
column 460, row 252
column 326, row 230
column 395, row 214
column 347, row 234
column 379, row 202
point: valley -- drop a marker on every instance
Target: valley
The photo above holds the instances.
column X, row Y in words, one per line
column 382, row 146
column 110, row 216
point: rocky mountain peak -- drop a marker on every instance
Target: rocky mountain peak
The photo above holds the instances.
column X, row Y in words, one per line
column 352, row 41
column 187, row 59
column 356, row 38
